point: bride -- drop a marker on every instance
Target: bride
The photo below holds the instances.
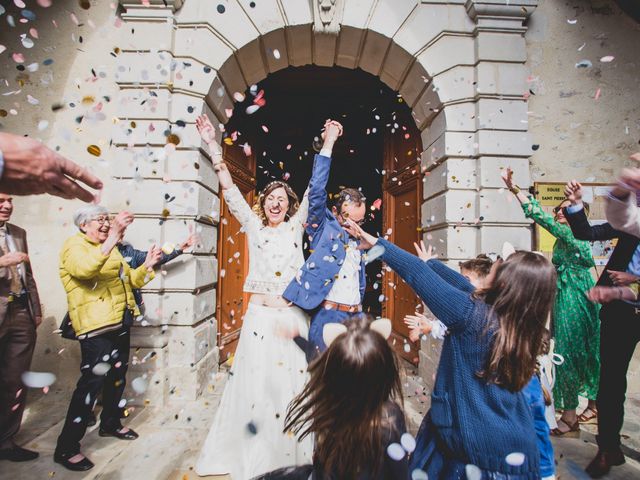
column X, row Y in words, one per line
column 246, row 438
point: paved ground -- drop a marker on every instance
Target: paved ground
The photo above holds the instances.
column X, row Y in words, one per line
column 171, row 437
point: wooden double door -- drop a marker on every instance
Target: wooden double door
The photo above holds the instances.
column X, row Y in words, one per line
column 402, row 199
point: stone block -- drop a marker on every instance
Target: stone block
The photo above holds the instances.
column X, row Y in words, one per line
column 395, row 66
column 179, row 307
column 145, row 35
column 187, row 383
column 456, row 83
column 436, row 128
column 296, row 12
column 501, row 78
column 447, row 52
column 449, row 144
column 188, row 39
column 147, row 366
column 234, row 25
column 454, row 243
column 189, row 272
column 265, row 15
column 457, row 206
column 154, row 163
column 231, row 76
column 276, row 52
column 495, row 114
column 462, row 173
column 493, row 237
column 426, row 23
column 496, row 142
column 435, row 181
column 251, row 62
column 414, row 83
column 354, row 13
column 490, row 170
column 299, row 40
column 324, row 49
column 158, row 199
column 218, row 100
column 374, row 51
column 348, row 49
column 501, row 47
column 499, row 205
column 147, row 336
column 189, row 344
column 426, row 107
column 143, row 67
column 460, row 117
column 388, row 16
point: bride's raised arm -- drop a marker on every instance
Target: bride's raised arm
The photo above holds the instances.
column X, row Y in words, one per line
column 238, row 206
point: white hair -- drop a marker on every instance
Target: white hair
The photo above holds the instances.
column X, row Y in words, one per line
column 84, row 214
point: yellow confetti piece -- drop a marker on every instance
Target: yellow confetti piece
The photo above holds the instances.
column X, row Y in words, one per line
column 88, row 100
column 173, row 139
column 94, row 150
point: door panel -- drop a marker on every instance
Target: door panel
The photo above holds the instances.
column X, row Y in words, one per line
column 402, row 199
column 233, row 260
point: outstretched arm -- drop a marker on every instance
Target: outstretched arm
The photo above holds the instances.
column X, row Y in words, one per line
column 320, row 177
column 208, row 135
column 622, row 212
column 449, row 275
column 577, row 217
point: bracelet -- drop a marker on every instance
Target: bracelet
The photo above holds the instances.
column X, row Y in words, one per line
column 515, row 189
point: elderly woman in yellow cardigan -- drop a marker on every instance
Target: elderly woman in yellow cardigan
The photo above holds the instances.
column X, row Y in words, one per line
column 99, row 283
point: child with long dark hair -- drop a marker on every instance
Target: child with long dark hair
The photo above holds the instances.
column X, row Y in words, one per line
column 479, row 418
column 351, row 405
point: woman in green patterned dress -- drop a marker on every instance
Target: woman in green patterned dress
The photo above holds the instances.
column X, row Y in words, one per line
column 576, row 327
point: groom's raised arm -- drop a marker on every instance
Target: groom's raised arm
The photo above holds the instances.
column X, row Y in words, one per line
column 320, row 177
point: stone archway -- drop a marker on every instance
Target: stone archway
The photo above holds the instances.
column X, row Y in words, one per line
column 458, row 65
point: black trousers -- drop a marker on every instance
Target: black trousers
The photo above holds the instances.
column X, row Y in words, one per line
column 111, row 348
column 17, row 341
column 619, row 335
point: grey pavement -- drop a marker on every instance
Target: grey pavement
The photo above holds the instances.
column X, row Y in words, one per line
column 170, row 440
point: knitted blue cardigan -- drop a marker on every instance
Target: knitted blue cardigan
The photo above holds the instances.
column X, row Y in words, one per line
column 479, row 422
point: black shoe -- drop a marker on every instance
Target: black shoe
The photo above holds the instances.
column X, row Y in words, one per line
column 603, row 462
column 17, row 454
column 130, row 435
column 82, row 466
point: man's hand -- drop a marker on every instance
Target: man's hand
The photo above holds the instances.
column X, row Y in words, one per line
column 332, row 130
column 191, row 240
column 573, row 192
column 30, row 168
column 120, row 223
column 153, row 257
column 622, row 278
column 424, row 254
column 13, row 258
column 609, row 294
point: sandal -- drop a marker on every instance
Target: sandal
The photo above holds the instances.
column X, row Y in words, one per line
column 588, row 416
column 574, row 430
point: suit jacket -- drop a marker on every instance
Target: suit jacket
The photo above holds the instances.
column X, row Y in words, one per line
column 19, row 237
column 622, row 253
column 328, row 241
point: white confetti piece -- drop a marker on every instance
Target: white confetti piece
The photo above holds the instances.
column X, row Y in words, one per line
column 276, row 53
column 607, row 59
column 139, row 385
column 26, row 41
column 515, row 459
column 168, row 248
column 38, row 379
column 101, row 368
column 408, row 442
column 473, row 472
column 572, row 22
column 251, row 109
column 418, row 474
column 396, row 452
column 238, row 97
column 42, row 125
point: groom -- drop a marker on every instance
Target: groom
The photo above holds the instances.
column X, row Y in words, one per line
column 331, row 282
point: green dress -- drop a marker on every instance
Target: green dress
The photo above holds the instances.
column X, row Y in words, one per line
column 576, row 327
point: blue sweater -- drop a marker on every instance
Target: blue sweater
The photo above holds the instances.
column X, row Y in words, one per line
column 479, row 422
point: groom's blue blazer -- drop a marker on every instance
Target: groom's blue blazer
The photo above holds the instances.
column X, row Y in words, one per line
column 328, row 241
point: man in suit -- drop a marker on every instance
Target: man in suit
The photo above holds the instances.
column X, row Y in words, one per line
column 331, row 282
column 619, row 330
column 20, row 315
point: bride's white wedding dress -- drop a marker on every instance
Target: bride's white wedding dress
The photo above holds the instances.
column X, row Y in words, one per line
column 269, row 369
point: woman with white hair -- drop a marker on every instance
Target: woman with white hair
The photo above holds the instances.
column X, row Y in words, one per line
column 99, row 284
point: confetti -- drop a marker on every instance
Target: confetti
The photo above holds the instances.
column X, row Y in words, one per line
column 18, row 57
column 597, row 95
column 276, row 53
column 45, row 3
column 418, row 474
column 396, row 452
column 42, row 125
column 572, row 22
column 101, row 368
column 473, row 472
column 26, row 41
column 607, row 59
column 408, row 442
column 251, row 428
column 238, row 97
column 265, row 129
column 168, row 248
column 251, row 109
column 584, row 64
column 19, row 3
column 139, row 385
column 94, row 150
column 220, row 8
column 515, row 459
column 2, row 48
column 38, row 379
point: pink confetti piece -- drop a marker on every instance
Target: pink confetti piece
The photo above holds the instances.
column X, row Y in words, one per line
column 597, row 95
column 74, row 18
column 246, row 148
column 289, row 147
column 19, row 3
column 18, row 57
column 228, row 112
column 265, row 129
column 251, row 109
column 45, row 390
column 45, row 3
column 33, row 32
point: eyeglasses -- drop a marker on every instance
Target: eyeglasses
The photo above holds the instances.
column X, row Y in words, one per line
column 102, row 219
column 360, row 222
